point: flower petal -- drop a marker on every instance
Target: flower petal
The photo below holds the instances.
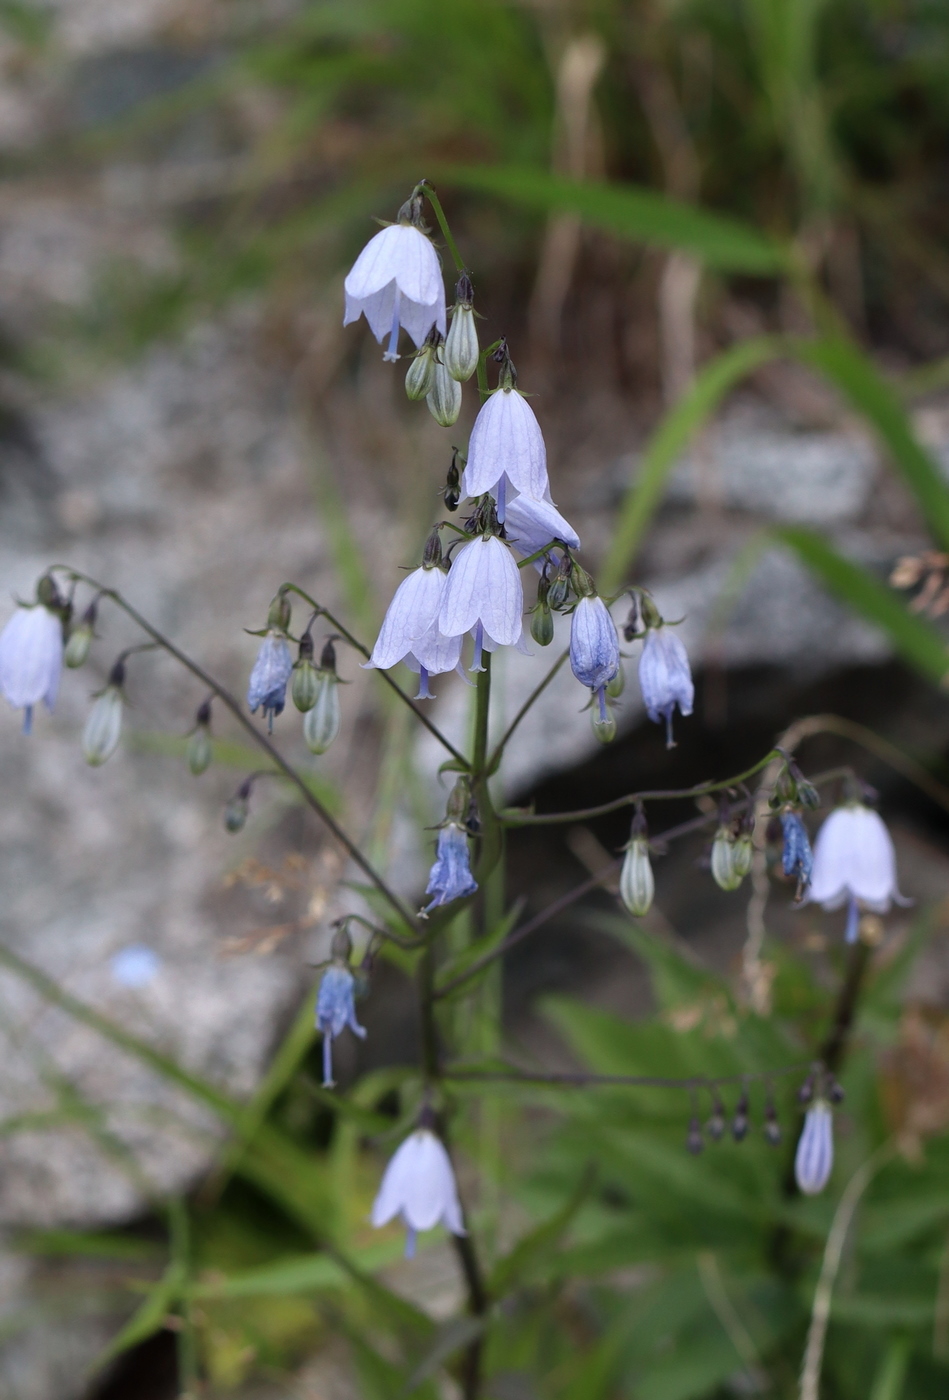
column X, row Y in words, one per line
column 410, row 615
column 506, row 438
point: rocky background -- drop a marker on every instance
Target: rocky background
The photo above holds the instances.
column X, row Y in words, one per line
column 196, row 472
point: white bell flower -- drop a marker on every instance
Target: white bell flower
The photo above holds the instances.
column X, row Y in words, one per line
column 409, row 617
column 506, row 448
column 665, row 677
column 419, row 1185
column 854, row 864
column 397, row 281
column 530, row 524
column 31, row 659
column 483, row 595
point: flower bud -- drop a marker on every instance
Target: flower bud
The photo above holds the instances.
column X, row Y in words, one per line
column 617, row 685
column 103, row 727
column 772, row 1128
column 199, row 752
column 461, row 347
column 814, row 1159
column 723, row 860
column 604, row 724
column 278, row 617
column 715, row 1127
column 235, row 813
column 694, row 1142
column 452, row 493
column 421, row 373
column 740, row 1120
column 78, row 646
column 304, row 685
column 321, row 722
column 444, row 397
column 542, row 625
column 743, row 854
column 636, row 884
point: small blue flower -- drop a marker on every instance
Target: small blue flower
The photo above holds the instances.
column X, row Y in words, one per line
column 450, row 876
column 594, row 645
column 798, row 860
column 665, row 677
column 335, row 1009
column 134, row 966
column 268, row 679
column 814, row 1159
column 31, row 659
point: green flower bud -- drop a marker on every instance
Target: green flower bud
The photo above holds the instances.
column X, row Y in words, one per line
column 743, row 854
column 305, row 685
column 617, row 685
column 542, row 625
column 461, row 347
column 321, row 723
column 278, row 618
column 199, row 753
column 79, row 644
column 444, row 397
column 235, row 813
column 420, row 375
column 636, row 884
column 723, row 860
column 103, row 728
column 604, row 725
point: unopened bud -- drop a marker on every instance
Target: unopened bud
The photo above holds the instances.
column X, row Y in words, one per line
column 723, row 860
column 740, row 1120
column 452, row 494
column 835, row 1091
column 103, row 727
column 604, row 724
column 304, row 685
column 420, row 375
column 617, row 685
column 278, row 616
column 806, row 1092
column 694, row 1141
column 432, row 553
column 637, row 886
column 321, row 722
column 79, row 645
column 631, row 625
column 48, row 594
column 341, row 947
column 444, row 397
column 461, row 347
column 542, row 625
column 235, row 813
column 772, row 1128
column 715, row 1127
column 199, row 751
column 743, row 855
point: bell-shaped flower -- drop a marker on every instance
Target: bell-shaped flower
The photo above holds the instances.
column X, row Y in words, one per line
column 483, row 595
column 814, row 1159
column 419, row 1185
column 268, row 680
column 397, row 281
column 594, row 645
column 665, row 677
column 854, row 864
column 31, row 659
column 336, row 1009
column 450, row 877
column 797, row 859
column 530, row 525
column 506, row 443
column 409, row 617
column 100, row 738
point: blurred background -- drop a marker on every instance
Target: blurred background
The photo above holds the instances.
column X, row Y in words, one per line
column 182, row 188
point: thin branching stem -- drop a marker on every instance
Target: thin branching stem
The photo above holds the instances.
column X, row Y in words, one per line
column 582, row 1079
column 259, row 738
column 535, row 695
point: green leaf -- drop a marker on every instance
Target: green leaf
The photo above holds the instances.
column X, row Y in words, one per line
column 537, row 1243
column 147, row 1318
column 90, row 1245
column 450, row 1337
column 915, row 639
column 667, row 444
column 857, row 379
column 305, row 1273
column 642, row 215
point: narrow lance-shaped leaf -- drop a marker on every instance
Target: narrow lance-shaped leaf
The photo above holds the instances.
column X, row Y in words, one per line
column 915, row 639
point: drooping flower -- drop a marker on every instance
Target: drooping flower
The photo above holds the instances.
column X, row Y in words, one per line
column 725, row 872
column 665, row 677
column 397, row 281
column 419, row 1185
column 461, row 344
column 100, row 738
column 814, row 1159
column 267, row 688
column 31, row 659
column 854, row 864
column 530, row 524
column 594, row 654
column 637, row 885
column 134, row 966
column 450, row 876
column 410, row 615
column 336, row 1009
column 797, row 858
column 506, row 445
column 483, row 595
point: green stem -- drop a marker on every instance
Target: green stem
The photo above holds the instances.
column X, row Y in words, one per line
column 443, row 224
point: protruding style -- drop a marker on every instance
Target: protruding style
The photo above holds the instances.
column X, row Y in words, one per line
column 335, row 1003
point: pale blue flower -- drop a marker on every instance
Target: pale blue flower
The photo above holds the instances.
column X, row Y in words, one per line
column 397, row 281
column 594, row 645
column 335, row 1009
column 797, row 858
column 31, row 659
column 665, row 677
column 409, row 617
column 530, row 524
column 814, row 1159
column 854, row 864
column 506, row 442
column 134, row 966
column 450, row 877
column 483, row 590
column 268, row 680
column 419, row 1184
